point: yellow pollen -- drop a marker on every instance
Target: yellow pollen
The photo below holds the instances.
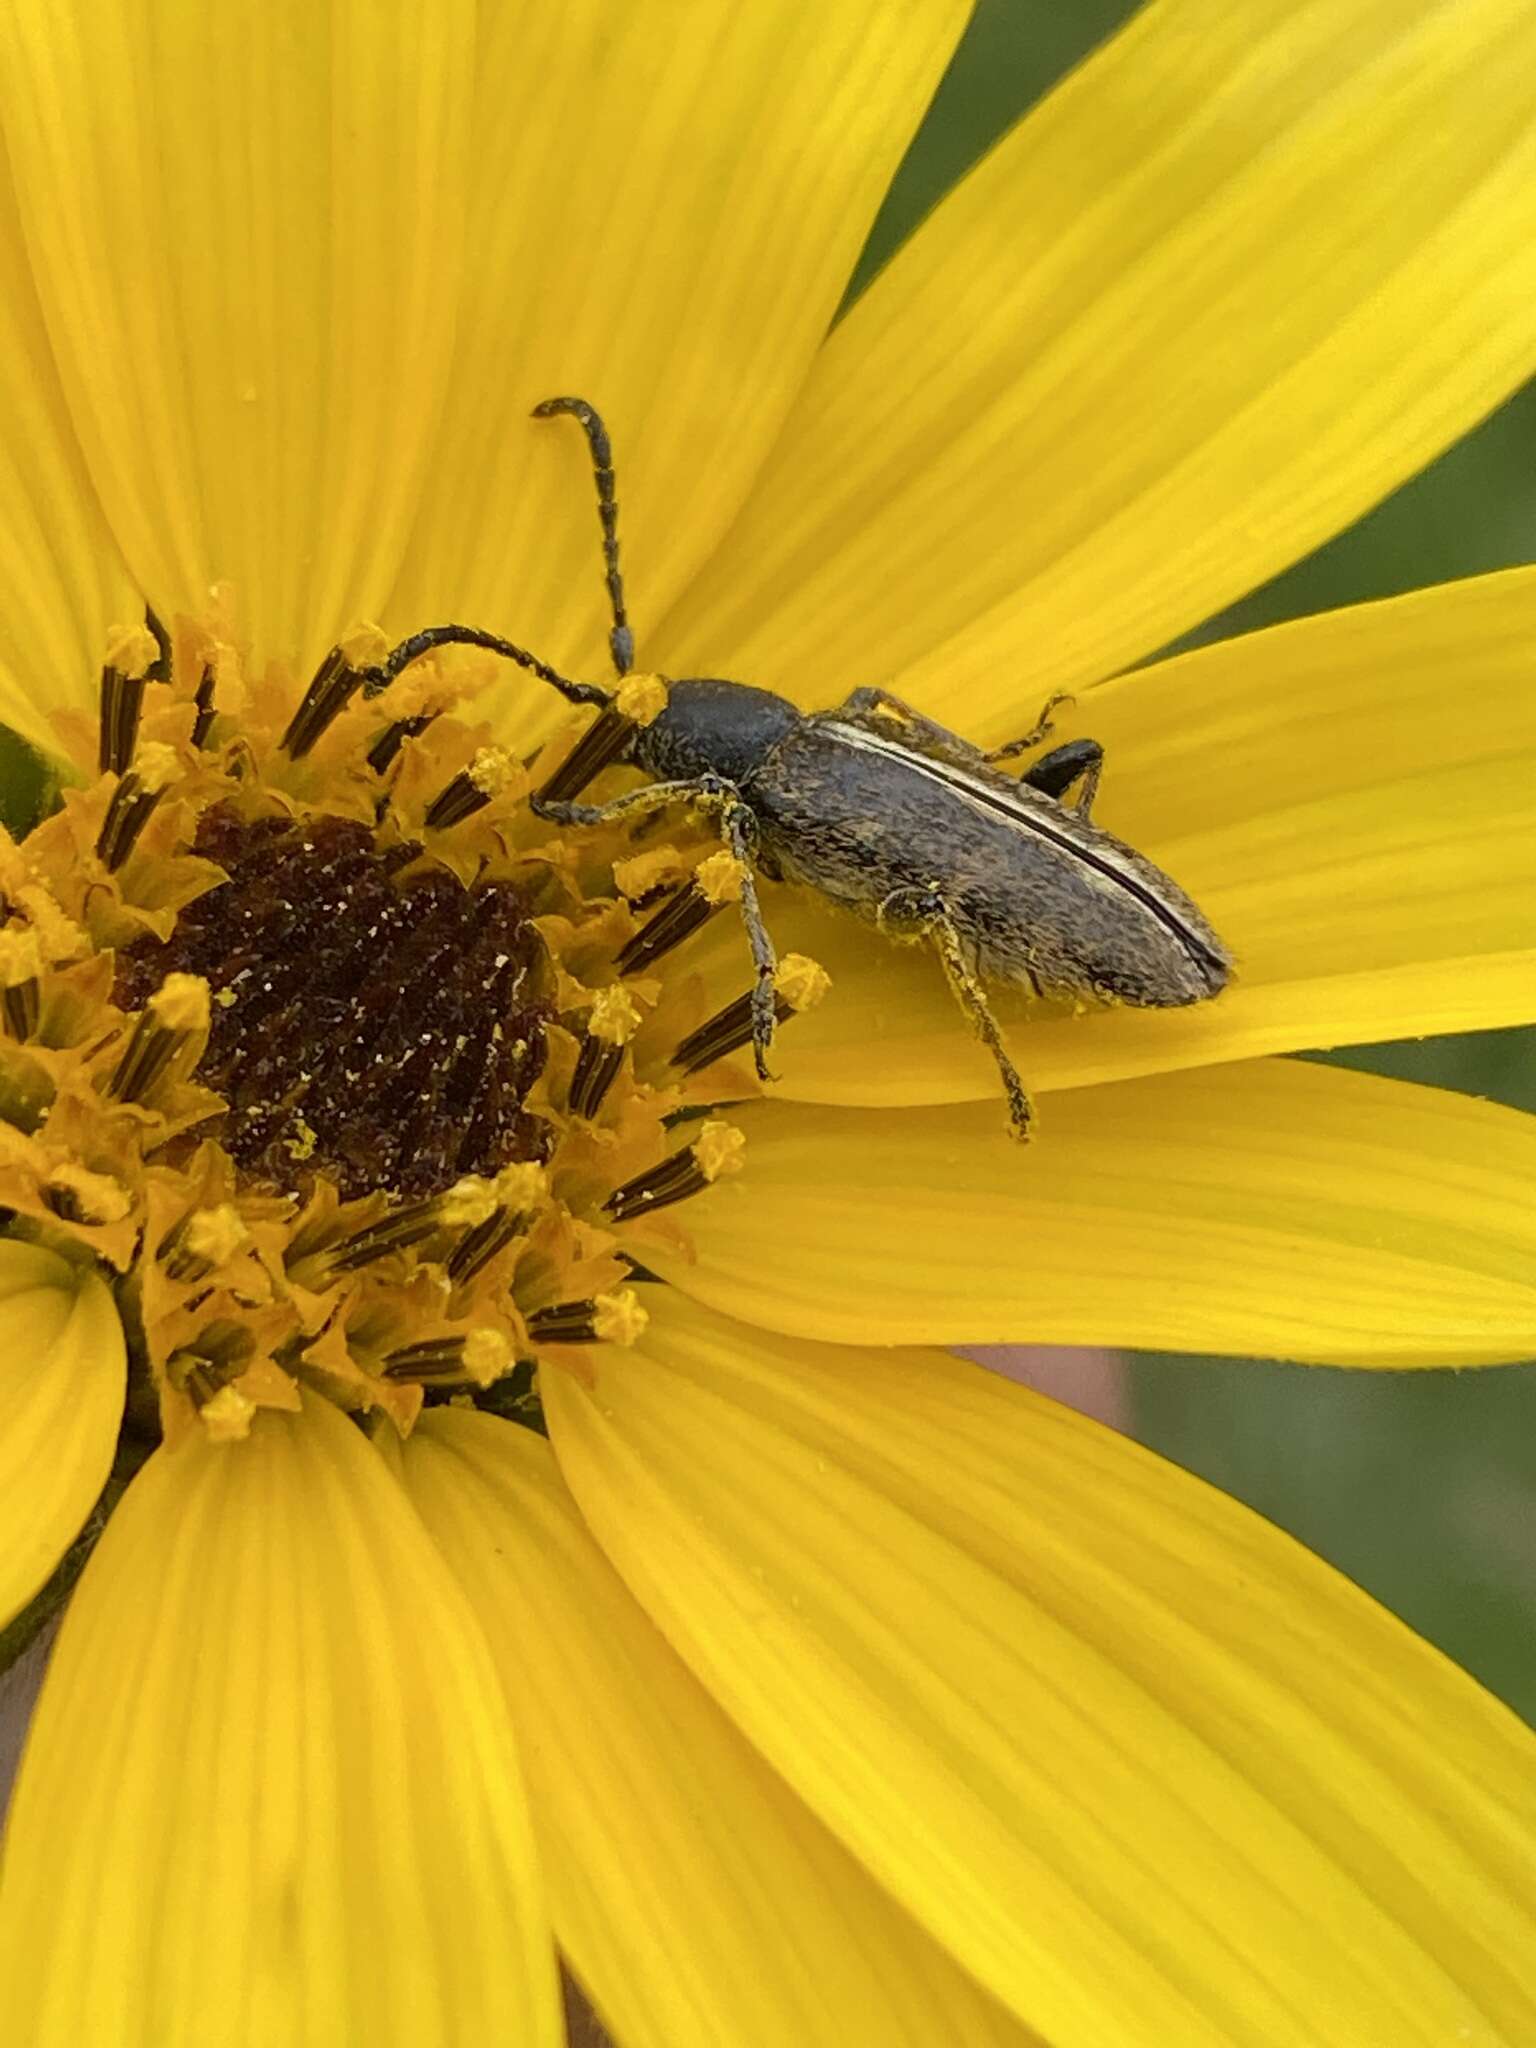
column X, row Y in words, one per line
column 468, row 1202
column 157, row 766
column 719, row 1149
column 619, row 1318
column 719, row 877
column 492, row 770
column 614, row 1017
column 363, row 645
column 181, row 1003
column 641, row 698
column 21, row 958
column 522, row 1185
column 487, row 1354
column 227, row 1415
column 131, row 650
column 215, row 1235
column 96, row 1197
column 801, row 981
column 301, row 1145
column 642, row 872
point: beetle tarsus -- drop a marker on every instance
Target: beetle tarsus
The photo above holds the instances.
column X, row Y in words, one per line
column 1042, row 728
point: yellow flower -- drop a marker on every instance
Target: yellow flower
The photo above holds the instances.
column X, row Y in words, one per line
column 798, row 1689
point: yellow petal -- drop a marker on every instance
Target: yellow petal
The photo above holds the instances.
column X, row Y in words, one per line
column 62, row 1376
column 270, row 1793
column 1151, row 1770
column 1350, row 798
column 245, row 224
column 1212, row 300
column 1272, row 1208
column 62, row 581
column 697, row 1900
column 667, row 206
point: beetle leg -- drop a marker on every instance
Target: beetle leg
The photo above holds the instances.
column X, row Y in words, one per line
column 635, row 803
column 1037, row 732
column 923, row 913
column 738, row 828
column 876, row 711
column 1054, row 773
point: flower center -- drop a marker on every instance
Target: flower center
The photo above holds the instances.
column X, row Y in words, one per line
column 372, row 1018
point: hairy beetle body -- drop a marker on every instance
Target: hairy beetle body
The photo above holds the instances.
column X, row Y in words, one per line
column 882, row 811
column 1041, row 895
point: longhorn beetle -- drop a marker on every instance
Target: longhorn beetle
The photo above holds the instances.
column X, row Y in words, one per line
column 889, row 814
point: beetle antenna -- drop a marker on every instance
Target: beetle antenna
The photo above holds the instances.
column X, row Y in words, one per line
column 383, row 673
column 621, row 639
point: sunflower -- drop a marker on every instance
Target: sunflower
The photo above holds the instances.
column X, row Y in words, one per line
column 535, row 1525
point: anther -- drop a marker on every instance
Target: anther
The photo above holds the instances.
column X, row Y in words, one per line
column 159, row 670
column 479, row 1356
column 201, row 1241
column 799, row 984
column 488, row 775
column 605, row 1319
column 716, row 882
column 175, row 1015
column 716, row 1152
column 130, row 661
column 611, row 1023
column 389, row 742
column 518, row 1189
column 334, row 685
column 203, row 723
column 470, row 1202
column 134, row 801
column 76, row 1195
column 21, row 964
column 636, row 702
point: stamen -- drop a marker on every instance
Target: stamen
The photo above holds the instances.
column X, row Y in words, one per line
column 204, row 1370
column 716, row 1152
column 518, row 1188
column 799, row 984
column 177, row 1013
column 606, row 1319
column 121, row 699
column 133, row 802
column 488, row 775
column 716, row 882
column 205, row 707
column 637, row 701
column 335, row 682
column 480, row 1356
column 389, row 742
column 21, row 963
column 159, row 670
column 611, row 1023
column 77, row 1195
column 202, row 1240
column 470, row 1202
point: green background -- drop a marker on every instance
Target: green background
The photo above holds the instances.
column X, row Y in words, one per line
column 1422, row 1486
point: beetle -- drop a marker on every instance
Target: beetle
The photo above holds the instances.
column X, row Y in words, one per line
column 890, row 815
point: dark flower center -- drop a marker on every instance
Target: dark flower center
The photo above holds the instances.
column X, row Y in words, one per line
column 372, row 1021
